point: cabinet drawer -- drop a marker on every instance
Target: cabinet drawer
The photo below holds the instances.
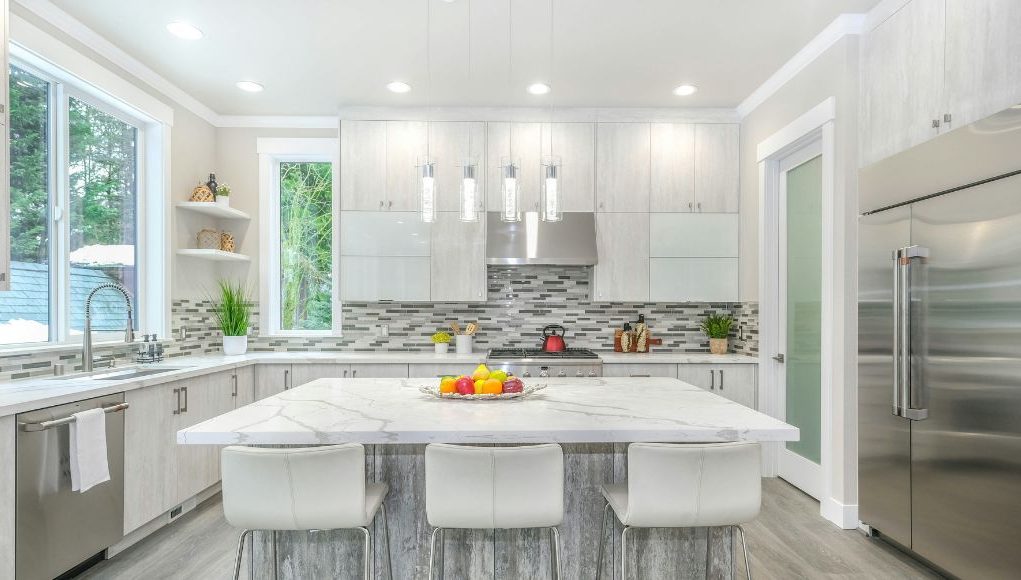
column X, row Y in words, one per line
column 640, row 370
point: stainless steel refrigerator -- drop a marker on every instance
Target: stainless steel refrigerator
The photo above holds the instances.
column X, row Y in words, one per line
column 939, row 370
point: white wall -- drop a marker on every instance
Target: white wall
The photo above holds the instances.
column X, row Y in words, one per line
column 834, row 73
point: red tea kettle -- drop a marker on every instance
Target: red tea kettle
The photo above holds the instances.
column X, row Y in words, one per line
column 551, row 341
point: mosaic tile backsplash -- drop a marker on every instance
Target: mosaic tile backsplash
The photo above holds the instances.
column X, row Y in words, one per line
column 521, row 300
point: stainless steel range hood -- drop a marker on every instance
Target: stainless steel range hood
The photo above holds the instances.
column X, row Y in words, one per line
column 531, row 241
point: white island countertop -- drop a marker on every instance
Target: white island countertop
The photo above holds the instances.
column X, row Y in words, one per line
column 583, row 410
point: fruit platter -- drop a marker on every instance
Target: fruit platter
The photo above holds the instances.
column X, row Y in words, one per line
column 482, row 385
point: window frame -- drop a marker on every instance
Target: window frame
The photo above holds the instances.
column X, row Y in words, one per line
column 151, row 258
column 273, row 151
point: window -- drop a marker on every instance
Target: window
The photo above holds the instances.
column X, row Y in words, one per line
column 298, row 183
column 74, row 225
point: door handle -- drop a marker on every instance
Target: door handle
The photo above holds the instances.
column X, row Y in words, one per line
column 903, row 387
column 712, row 379
column 177, row 394
column 779, row 358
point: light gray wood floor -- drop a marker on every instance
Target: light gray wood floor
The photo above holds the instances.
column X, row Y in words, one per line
column 789, row 540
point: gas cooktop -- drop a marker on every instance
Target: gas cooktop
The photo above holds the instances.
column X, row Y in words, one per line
column 537, row 353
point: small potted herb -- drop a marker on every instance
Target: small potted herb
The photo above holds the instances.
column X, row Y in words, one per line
column 441, row 342
column 223, row 194
column 232, row 312
column 717, row 328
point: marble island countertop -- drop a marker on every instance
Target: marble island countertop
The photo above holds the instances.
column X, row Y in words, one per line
column 583, row 410
column 37, row 393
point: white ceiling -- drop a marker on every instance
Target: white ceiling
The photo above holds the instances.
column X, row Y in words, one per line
column 314, row 56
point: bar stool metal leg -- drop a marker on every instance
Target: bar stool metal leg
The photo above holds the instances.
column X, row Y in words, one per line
column 386, row 540
column 368, row 553
column 436, row 535
column 744, row 546
column 241, row 551
column 623, row 552
column 602, row 541
column 555, row 551
column 708, row 551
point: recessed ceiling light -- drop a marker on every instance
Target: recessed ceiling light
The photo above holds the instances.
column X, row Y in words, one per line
column 538, row 88
column 250, row 86
column 184, row 30
column 685, row 90
column 398, row 87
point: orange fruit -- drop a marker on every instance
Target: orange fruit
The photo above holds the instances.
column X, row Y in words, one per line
column 448, row 385
column 492, row 387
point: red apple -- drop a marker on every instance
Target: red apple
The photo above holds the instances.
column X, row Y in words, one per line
column 513, row 385
column 465, row 386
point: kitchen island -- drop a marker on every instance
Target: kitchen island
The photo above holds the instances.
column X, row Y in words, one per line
column 593, row 418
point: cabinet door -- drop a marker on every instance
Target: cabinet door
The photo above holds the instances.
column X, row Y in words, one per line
column 700, row 375
column 717, row 150
column 371, row 279
column 575, row 145
column 306, row 373
column 457, row 266
column 902, row 80
column 983, row 66
column 362, row 165
column 640, row 370
column 244, row 386
column 673, row 168
column 271, row 379
column 737, row 383
column 436, row 371
column 202, row 398
column 150, row 454
column 622, row 274
column 522, row 142
column 693, row 279
column 383, row 233
column 450, row 144
column 379, row 371
column 405, row 146
column 693, row 235
column 623, row 153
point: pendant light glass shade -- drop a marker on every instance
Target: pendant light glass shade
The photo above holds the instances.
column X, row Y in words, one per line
column 427, row 190
column 551, row 202
column 510, row 197
column 470, row 206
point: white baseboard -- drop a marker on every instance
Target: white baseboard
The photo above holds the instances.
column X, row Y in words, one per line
column 843, row 515
column 801, row 473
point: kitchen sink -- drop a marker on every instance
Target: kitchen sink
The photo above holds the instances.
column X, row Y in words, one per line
column 119, row 374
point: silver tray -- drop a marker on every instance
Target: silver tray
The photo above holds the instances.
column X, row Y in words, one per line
column 435, row 392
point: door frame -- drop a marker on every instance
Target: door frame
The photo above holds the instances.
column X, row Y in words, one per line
column 838, row 414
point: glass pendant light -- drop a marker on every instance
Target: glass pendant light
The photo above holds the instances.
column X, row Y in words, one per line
column 550, row 202
column 510, row 210
column 469, row 207
column 427, row 189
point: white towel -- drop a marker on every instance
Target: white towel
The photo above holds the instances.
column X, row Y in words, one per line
column 89, row 466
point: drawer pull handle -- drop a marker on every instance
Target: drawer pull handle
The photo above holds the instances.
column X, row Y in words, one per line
column 634, row 375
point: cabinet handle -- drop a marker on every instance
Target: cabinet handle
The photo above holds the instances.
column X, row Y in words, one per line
column 345, row 374
column 699, row 206
column 380, row 204
column 691, row 205
column 354, row 374
column 234, row 392
column 721, row 379
column 634, row 375
column 287, row 379
column 935, row 123
column 185, row 391
column 389, row 205
column 946, row 118
column 177, row 393
column 712, row 379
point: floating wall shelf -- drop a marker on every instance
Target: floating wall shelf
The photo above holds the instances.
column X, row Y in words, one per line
column 215, row 255
column 213, row 209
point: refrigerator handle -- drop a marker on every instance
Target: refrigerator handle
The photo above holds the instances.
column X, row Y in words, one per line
column 898, row 308
column 903, row 386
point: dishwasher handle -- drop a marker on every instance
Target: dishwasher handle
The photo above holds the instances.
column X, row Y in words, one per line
column 44, row 425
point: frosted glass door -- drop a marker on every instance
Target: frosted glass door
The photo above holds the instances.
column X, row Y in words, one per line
column 803, row 283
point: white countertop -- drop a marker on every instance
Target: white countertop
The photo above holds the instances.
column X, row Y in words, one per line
column 37, row 393
column 582, row 410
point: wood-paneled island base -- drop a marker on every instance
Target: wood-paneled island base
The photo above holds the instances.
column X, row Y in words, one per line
column 593, row 419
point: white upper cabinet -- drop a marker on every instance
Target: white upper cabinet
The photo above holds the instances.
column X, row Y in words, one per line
column 522, row 142
column 688, row 235
column 623, row 156
column 983, row 58
column 362, row 165
column 406, row 145
column 374, row 278
column 673, row 167
column 458, row 259
column 622, row 274
column 717, row 183
column 451, row 144
column 693, row 279
column 575, row 145
column 383, row 233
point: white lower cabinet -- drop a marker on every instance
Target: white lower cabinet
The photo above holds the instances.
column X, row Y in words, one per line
column 436, row 371
column 640, row 370
column 736, row 382
column 379, row 371
column 271, row 379
column 244, row 386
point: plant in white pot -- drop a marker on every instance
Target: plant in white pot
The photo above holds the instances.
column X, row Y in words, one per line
column 441, row 342
column 717, row 328
column 232, row 312
column 223, row 194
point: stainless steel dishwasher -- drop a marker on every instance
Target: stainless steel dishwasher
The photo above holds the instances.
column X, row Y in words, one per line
column 57, row 529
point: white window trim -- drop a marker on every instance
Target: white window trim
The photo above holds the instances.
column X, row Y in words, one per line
column 151, row 303
column 271, row 152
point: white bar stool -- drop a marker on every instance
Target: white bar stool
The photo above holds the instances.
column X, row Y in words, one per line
column 685, row 486
column 312, row 488
column 513, row 487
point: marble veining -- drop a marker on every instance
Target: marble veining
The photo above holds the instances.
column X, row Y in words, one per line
column 570, row 410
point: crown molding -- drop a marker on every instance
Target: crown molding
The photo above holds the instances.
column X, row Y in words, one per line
column 843, row 25
column 541, row 114
column 277, row 121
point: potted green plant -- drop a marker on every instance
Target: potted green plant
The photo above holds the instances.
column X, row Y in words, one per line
column 223, row 194
column 232, row 312
column 717, row 328
column 441, row 342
